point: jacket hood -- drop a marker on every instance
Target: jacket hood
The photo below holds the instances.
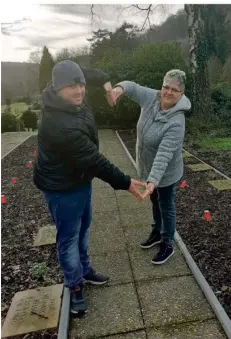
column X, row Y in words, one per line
column 182, row 106
column 49, row 98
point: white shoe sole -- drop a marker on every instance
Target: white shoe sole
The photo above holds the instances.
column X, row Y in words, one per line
column 78, row 312
column 95, row 283
column 150, row 246
column 162, row 262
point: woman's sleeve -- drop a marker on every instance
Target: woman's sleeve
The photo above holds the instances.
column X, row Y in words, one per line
column 137, row 93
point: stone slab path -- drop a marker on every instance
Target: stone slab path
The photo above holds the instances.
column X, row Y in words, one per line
column 142, row 300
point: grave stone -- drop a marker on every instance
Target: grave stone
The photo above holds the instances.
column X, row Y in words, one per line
column 46, row 235
column 199, row 167
column 221, row 185
column 33, row 310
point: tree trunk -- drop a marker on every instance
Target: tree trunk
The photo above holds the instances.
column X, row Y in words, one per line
column 201, row 97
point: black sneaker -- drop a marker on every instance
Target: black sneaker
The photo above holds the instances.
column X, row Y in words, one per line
column 78, row 302
column 165, row 252
column 95, row 279
column 153, row 239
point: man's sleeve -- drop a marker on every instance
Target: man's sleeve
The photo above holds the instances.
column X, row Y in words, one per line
column 95, row 77
column 86, row 157
column 169, row 144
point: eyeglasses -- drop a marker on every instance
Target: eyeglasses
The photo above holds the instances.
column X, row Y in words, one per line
column 174, row 90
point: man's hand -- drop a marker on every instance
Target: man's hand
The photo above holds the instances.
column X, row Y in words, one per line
column 113, row 94
column 108, row 88
column 149, row 189
column 133, row 188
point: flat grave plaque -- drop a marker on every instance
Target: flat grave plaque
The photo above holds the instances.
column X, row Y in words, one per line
column 221, row 185
column 33, row 310
column 46, row 235
column 199, row 167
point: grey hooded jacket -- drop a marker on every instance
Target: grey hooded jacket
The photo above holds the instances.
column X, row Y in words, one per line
column 160, row 135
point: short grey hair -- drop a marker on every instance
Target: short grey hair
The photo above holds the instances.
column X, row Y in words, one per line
column 175, row 75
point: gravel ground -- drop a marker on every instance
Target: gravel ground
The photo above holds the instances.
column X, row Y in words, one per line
column 208, row 242
column 22, row 216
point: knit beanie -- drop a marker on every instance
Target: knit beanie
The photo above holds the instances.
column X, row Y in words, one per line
column 67, row 73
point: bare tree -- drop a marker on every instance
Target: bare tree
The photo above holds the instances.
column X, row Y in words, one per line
column 35, row 56
column 196, row 16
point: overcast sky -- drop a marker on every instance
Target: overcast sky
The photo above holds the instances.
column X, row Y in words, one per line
column 59, row 26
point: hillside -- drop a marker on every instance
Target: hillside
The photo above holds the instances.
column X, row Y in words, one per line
column 18, row 79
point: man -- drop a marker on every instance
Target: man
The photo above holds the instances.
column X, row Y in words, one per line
column 68, row 159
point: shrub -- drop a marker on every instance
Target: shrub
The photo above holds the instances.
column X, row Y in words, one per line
column 145, row 65
column 36, row 106
column 9, row 122
column 29, row 119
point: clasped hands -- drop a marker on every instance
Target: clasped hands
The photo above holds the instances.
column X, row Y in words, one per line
column 134, row 189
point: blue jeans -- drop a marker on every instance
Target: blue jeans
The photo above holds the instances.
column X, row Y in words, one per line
column 164, row 213
column 71, row 213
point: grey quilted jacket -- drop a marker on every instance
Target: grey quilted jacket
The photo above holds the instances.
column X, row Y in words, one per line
column 160, row 135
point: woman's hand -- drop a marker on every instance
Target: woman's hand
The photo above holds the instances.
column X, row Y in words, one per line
column 149, row 190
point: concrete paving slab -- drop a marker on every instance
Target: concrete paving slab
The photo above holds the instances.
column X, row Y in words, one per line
column 107, row 134
column 143, row 269
column 116, row 265
column 139, row 217
column 113, row 147
column 199, row 167
column 130, row 202
column 45, row 236
column 97, row 183
column 102, row 193
column 130, row 335
column 33, row 310
column 173, row 300
column 108, row 313
column 136, row 225
column 221, row 185
column 106, row 233
column 105, row 202
column 209, row 329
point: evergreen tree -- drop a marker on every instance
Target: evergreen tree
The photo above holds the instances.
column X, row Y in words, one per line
column 45, row 69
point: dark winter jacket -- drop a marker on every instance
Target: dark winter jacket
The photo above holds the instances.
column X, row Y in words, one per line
column 68, row 155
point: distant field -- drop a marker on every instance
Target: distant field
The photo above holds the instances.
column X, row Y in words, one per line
column 17, row 108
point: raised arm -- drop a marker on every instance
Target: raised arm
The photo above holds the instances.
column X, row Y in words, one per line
column 134, row 91
column 95, row 77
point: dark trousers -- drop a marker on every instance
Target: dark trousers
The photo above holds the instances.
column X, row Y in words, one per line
column 164, row 213
column 71, row 213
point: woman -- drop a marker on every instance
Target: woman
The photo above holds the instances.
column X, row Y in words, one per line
column 160, row 135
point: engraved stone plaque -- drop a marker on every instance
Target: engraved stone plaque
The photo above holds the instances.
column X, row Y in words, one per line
column 199, row 167
column 187, row 155
column 221, row 185
column 33, row 310
column 46, row 235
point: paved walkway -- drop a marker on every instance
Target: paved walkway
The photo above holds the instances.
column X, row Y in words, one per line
column 10, row 140
column 142, row 300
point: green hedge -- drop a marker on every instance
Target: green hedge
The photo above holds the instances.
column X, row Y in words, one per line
column 146, row 65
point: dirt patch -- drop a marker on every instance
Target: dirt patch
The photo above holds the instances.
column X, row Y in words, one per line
column 24, row 266
column 208, row 242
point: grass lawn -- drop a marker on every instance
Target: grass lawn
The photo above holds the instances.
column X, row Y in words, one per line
column 17, row 108
column 216, row 144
